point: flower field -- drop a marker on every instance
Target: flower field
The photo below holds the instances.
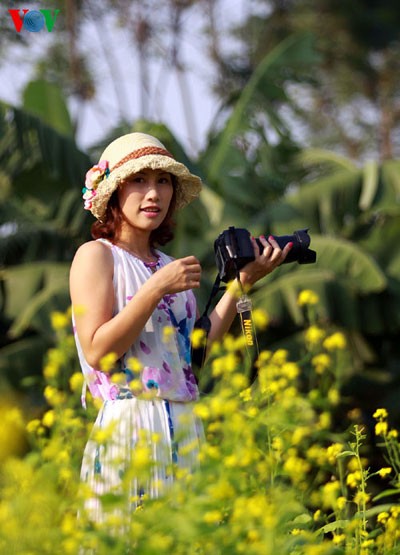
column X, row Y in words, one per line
column 288, row 466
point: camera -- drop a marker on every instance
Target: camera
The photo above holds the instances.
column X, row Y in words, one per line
column 234, row 249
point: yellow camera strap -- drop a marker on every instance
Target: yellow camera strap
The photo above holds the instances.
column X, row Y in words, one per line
column 244, row 309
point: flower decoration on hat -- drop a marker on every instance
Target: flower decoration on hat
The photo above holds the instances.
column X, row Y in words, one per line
column 94, row 176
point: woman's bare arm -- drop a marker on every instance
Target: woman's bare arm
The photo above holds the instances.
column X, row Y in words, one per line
column 92, row 295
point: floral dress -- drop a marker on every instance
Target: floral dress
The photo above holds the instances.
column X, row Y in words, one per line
column 148, row 406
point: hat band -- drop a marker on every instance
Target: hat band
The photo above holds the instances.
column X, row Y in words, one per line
column 145, row 151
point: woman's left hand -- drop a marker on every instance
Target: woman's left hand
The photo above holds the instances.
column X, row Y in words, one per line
column 265, row 262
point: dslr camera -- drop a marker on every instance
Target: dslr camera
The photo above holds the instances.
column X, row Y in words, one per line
column 234, row 249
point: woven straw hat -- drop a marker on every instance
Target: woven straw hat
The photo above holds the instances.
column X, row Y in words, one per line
column 130, row 154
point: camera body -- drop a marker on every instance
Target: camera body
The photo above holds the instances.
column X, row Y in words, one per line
column 234, row 249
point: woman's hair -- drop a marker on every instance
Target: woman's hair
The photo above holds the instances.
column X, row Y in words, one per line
column 110, row 226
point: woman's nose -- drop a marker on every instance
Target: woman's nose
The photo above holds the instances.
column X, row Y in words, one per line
column 152, row 189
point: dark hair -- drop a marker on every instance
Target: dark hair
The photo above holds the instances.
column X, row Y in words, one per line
column 110, row 226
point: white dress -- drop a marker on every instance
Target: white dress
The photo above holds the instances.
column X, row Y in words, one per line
column 164, row 426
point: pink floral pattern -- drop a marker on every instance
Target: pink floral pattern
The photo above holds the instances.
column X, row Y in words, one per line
column 94, row 176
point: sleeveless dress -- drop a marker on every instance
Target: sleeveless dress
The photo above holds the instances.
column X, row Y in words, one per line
column 147, row 401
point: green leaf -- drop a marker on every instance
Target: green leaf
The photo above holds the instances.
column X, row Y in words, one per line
column 345, row 454
column 289, row 51
column 332, row 160
column 29, row 287
column 369, row 185
column 349, row 262
column 387, row 493
column 46, row 101
column 332, row 526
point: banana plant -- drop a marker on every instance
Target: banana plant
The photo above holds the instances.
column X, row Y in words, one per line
column 41, row 224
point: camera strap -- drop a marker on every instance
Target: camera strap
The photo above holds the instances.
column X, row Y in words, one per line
column 244, row 308
column 204, row 323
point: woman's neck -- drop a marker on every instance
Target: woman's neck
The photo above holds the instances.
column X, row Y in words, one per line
column 137, row 245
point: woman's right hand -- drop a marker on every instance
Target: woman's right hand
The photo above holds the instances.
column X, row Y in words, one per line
column 179, row 275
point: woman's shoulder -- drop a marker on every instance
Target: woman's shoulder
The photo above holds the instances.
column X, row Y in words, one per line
column 94, row 253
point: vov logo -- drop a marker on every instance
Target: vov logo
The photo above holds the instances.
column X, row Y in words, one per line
column 33, row 20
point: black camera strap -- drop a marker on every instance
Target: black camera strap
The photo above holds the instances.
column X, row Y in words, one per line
column 204, row 323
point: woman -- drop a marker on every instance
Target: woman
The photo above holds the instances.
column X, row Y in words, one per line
column 132, row 300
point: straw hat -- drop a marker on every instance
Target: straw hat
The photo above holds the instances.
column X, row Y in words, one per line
column 130, row 154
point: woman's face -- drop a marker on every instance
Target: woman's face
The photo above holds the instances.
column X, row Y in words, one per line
column 144, row 198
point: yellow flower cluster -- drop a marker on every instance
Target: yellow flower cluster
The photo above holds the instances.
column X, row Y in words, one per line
column 274, row 475
column 307, row 297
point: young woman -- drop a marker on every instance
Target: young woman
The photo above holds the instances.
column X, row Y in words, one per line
column 133, row 301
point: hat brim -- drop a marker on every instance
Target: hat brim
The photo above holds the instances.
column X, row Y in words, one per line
column 188, row 185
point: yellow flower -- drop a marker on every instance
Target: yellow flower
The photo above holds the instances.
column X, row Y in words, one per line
column 277, row 444
column 49, row 419
column 198, row 338
column 279, row 356
column 341, row 503
column 167, row 333
column 380, row 414
column 260, row 319
column 107, row 362
column 290, row 370
column 239, row 382
column 354, row 478
column 329, row 494
column 324, row 421
column 245, row 394
column 263, row 358
column 365, row 545
column 50, row 370
column 317, row 515
column 321, row 362
column 299, row 434
column 253, row 535
column 224, row 365
column 333, row 396
column 382, row 517
column 383, row 472
column 33, row 426
column 336, row 341
column 314, row 335
column 333, row 451
column 141, row 457
column 296, row 468
column 76, row 381
column 53, row 396
column 134, row 364
column 59, row 320
column 221, row 490
column 119, row 378
column 202, row 411
column 338, row 538
column 307, row 296
column 361, row 497
column 103, row 435
column 381, row 428
column 212, row 517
